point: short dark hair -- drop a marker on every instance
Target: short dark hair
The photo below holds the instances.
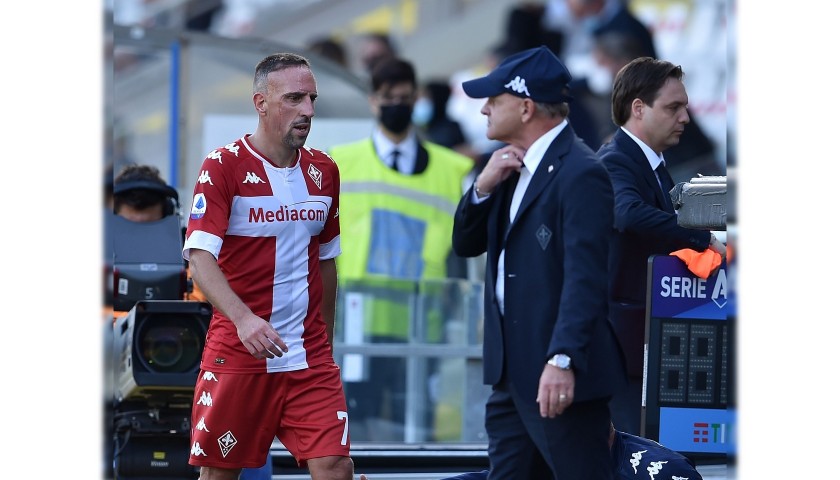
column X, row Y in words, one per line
column 641, row 78
column 390, row 71
column 137, row 186
column 274, row 62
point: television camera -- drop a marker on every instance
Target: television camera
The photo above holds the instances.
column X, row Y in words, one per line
column 152, row 352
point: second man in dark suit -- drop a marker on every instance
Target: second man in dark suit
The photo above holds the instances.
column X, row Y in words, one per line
column 650, row 105
column 542, row 210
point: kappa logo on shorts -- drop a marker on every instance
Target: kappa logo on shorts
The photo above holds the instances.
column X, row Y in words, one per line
column 543, row 236
column 205, row 399
column 227, row 442
column 197, row 450
column 201, row 426
column 209, row 377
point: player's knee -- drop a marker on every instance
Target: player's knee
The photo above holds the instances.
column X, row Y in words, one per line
column 214, row 473
column 331, row 468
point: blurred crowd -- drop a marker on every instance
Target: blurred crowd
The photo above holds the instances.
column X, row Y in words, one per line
column 594, row 38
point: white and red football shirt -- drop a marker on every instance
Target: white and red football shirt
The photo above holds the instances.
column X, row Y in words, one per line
column 268, row 227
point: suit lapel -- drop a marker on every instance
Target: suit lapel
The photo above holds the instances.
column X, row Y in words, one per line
column 634, row 151
column 547, row 170
column 503, row 214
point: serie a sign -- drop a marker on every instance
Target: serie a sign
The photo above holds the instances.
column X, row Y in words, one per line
column 689, row 368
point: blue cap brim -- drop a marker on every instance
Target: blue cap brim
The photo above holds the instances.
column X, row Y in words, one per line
column 482, row 88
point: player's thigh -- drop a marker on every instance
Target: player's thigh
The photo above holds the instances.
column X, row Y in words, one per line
column 314, row 421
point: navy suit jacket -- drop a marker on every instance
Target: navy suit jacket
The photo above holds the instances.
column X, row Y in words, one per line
column 645, row 226
column 556, row 252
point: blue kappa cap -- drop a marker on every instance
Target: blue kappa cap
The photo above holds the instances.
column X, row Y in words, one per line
column 535, row 73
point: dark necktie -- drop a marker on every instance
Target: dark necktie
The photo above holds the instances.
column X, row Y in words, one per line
column 395, row 155
column 667, row 184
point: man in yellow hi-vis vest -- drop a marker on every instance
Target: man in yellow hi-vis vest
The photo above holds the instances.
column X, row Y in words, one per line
column 398, row 198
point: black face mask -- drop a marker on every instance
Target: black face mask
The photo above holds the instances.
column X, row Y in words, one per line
column 396, row 118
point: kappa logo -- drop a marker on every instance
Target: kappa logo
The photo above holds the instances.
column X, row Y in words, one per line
column 315, row 175
column 197, row 450
column 204, row 177
column 205, row 399
column 251, row 177
column 199, row 206
column 635, row 459
column 328, row 156
column 201, row 426
column 227, row 442
column 215, row 155
column 232, row 148
column 543, row 236
column 210, row 377
column 518, row 85
column 655, row 467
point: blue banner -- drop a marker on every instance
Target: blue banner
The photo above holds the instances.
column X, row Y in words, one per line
column 678, row 293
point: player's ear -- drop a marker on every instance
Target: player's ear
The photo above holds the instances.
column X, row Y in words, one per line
column 260, row 102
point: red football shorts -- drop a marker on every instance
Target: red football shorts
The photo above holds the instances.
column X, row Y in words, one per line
column 235, row 417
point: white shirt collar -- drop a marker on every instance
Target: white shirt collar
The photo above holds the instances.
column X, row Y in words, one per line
column 385, row 147
column 537, row 150
column 653, row 159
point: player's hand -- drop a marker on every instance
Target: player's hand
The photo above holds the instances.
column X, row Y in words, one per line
column 260, row 338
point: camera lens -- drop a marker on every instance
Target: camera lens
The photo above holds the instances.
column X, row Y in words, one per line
column 171, row 345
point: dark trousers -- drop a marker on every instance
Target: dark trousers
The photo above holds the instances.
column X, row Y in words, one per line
column 626, row 407
column 525, row 446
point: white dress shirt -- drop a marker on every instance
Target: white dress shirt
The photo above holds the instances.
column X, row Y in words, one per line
column 653, row 158
column 531, row 161
column 385, row 150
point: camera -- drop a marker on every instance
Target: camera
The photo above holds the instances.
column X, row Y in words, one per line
column 155, row 360
column 152, row 353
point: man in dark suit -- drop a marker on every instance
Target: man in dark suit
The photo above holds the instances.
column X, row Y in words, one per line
column 542, row 211
column 649, row 102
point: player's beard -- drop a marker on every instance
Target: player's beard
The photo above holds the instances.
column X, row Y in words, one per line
column 292, row 139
